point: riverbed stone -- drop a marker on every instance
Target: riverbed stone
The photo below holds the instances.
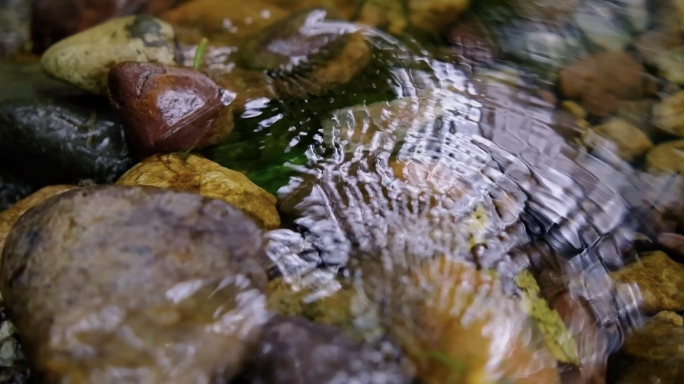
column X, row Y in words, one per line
column 660, row 279
column 198, row 174
column 666, row 158
column 164, row 283
column 85, row 58
column 653, row 353
column 10, row 216
column 294, row 350
column 52, row 132
column 668, row 114
column 618, row 137
column 613, row 72
column 166, row 109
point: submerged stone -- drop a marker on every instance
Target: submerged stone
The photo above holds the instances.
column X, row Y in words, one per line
column 14, row 27
column 167, row 109
column 135, row 283
column 52, row 132
column 85, row 58
column 296, row 351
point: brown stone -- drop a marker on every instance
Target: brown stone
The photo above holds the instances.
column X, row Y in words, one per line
column 660, row 279
column 9, row 216
column 166, row 109
column 616, row 73
column 54, row 20
column 599, row 103
column 200, row 175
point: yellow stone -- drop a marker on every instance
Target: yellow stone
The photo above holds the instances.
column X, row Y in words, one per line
column 201, row 175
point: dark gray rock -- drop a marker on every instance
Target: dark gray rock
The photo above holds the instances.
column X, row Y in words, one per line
column 52, row 132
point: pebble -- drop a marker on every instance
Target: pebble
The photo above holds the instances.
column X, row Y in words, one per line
column 670, row 65
column 618, row 137
column 666, row 158
column 616, row 73
column 668, row 114
column 84, row 59
column 165, row 283
column 660, row 279
column 200, row 175
column 167, row 109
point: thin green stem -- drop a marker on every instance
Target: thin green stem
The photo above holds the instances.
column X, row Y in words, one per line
column 199, row 52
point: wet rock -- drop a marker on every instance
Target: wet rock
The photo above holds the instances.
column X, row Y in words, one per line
column 14, row 27
column 164, row 283
column 10, row 216
column 599, row 23
column 660, row 279
column 652, row 44
column 471, row 44
column 666, row 158
column 11, row 190
column 200, row 175
column 166, row 109
column 52, row 132
column 54, row 20
column 294, row 350
column 451, row 334
column 668, row 115
column 85, row 58
column 616, row 73
column 672, row 243
column 13, row 366
column 652, row 354
column 670, row 64
column 599, row 103
column 307, row 53
column 637, row 112
column 435, row 15
column 227, row 20
column 618, row 137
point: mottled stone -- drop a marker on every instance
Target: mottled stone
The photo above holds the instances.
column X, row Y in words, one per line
column 53, row 20
column 200, row 175
column 10, row 216
column 167, row 109
column 85, row 58
column 166, row 284
column 660, row 279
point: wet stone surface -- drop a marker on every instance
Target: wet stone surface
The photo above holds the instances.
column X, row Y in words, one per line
column 51, row 132
column 165, row 283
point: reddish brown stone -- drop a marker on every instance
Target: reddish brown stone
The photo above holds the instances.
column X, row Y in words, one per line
column 470, row 43
column 53, row 20
column 599, row 103
column 167, row 109
column 616, row 73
